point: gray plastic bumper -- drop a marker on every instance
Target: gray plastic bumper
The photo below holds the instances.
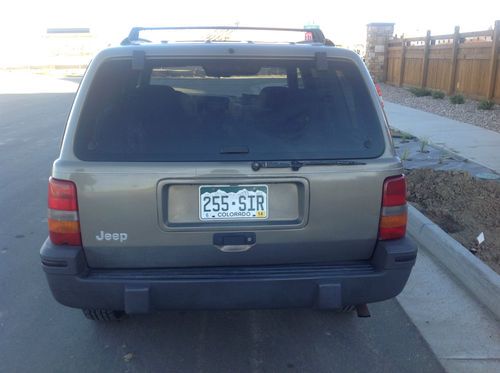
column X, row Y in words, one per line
column 325, row 285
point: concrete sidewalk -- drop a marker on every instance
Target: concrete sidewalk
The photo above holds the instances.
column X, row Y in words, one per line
column 444, row 299
column 475, row 143
column 464, row 335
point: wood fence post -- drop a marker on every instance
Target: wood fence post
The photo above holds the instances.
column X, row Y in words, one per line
column 454, row 55
column 402, row 63
column 425, row 63
column 386, row 61
column 493, row 61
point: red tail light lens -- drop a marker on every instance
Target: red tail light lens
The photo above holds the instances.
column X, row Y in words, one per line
column 394, row 191
column 393, row 217
column 379, row 91
column 64, row 225
column 62, row 195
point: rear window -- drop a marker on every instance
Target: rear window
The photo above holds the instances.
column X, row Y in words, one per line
column 228, row 110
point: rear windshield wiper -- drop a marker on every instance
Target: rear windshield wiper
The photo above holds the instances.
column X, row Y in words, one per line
column 296, row 165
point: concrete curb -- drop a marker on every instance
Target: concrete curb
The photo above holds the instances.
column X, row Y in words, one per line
column 477, row 277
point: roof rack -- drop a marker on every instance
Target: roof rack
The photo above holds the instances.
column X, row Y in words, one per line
column 133, row 36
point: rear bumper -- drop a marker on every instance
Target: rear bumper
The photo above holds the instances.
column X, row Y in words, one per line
column 322, row 285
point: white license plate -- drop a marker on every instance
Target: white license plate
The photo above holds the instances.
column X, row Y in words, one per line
column 233, row 202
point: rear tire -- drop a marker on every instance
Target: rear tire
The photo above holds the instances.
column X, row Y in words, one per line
column 347, row 309
column 103, row 315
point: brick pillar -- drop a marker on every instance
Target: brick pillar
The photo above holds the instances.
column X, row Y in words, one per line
column 377, row 36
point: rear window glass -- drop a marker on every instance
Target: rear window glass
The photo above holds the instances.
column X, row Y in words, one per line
column 228, row 110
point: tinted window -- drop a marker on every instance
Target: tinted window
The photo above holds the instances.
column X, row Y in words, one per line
column 228, row 110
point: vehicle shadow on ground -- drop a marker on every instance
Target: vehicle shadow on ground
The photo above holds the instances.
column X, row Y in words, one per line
column 266, row 340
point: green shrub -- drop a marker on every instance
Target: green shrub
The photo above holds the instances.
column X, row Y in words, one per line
column 423, row 145
column 412, row 90
column 405, row 137
column 485, row 105
column 406, row 155
column 437, row 94
column 420, row 92
column 457, row 99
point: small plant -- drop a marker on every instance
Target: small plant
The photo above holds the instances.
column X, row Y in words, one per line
column 420, row 92
column 405, row 137
column 423, row 145
column 485, row 105
column 457, row 99
column 437, row 94
column 406, row 155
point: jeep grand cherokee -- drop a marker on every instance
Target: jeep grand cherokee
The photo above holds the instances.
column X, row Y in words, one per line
column 217, row 173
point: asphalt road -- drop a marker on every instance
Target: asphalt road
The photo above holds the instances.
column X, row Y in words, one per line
column 39, row 335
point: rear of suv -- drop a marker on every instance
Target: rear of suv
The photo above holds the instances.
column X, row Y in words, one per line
column 226, row 174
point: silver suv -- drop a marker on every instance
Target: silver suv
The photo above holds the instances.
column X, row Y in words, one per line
column 220, row 172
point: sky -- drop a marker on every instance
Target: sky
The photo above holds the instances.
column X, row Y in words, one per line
column 343, row 22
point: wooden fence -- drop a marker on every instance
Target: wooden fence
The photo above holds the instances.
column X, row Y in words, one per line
column 466, row 63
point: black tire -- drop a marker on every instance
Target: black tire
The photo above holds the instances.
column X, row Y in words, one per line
column 103, row 315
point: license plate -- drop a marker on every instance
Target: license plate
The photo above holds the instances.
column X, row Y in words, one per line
column 233, row 202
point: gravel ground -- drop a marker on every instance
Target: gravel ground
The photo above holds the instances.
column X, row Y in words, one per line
column 467, row 112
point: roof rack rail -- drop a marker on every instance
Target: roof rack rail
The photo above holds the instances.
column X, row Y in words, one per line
column 316, row 33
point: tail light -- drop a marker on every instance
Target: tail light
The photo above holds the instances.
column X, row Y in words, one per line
column 64, row 224
column 393, row 217
column 379, row 91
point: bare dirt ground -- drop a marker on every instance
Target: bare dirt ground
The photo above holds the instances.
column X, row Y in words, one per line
column 467, row 112
column 461, row 205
